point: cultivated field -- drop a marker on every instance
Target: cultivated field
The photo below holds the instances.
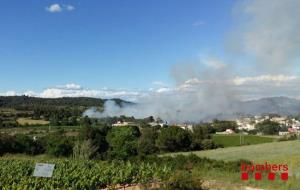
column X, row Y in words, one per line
column 40, row 130
column 275, row 152
column 237, row 140
column 29, row 121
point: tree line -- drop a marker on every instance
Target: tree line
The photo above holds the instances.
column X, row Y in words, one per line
column 106, row 142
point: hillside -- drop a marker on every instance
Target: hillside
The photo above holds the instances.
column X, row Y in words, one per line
column 20, row 110
column 25, row 101
column 274, row 105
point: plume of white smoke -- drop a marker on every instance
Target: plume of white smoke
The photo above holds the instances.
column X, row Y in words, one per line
column 194, row 100
column 269, row 32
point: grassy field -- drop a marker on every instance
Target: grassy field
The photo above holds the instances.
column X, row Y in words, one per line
column 40, row 130
column 237, row 140
column 29, row 121
column 287, row 152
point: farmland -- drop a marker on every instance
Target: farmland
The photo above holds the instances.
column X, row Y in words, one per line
column 29, row 121
column 39, row 130
column 237, row 140
column 276, row 152
column 16, row 172
column 76, row 174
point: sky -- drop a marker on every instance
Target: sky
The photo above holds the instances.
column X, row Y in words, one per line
column 128, row 48
column 104, row 43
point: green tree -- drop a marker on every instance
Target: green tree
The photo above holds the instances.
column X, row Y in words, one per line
column 85, row 121
column 200, row 133
column 146, row 143
column 268, row 127
column 97, row 136
column 122, row 142
column 220, row 125
column 58, row 145
column 84, row 150
column 173, row 138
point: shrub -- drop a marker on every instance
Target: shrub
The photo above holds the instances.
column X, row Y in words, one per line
column 122, row 142
column 173, row 139
column 146, row 143
column 182, row 180
column 20, row 144
column 58, row 145
column 84, row 150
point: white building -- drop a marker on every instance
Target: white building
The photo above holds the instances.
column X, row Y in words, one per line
column 246, row 124
column 226, row 132
column 152, row 124
column 122, row 123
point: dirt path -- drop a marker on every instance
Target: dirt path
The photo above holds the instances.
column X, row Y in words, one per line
column 223, row 185
column 211, row 185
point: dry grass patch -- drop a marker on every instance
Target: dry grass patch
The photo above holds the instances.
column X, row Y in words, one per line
column 29, row 121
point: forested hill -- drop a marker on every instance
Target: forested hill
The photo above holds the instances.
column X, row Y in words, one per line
column 21, row 102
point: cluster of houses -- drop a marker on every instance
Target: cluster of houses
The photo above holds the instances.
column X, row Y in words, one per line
column 161, row 124
column 125, row 123
column 248, row 123
column 244, row 123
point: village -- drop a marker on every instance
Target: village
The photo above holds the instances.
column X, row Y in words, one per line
column 288, row 125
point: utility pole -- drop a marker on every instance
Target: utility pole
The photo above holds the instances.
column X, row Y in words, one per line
column 240, row 138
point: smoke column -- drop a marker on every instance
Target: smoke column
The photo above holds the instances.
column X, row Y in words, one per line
column 267, row 36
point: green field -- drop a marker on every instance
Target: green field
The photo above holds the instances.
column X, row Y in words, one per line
column 237, row 140
column 38, row 130
column 287, row 152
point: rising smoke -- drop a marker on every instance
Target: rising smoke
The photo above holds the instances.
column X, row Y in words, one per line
column 267, row 36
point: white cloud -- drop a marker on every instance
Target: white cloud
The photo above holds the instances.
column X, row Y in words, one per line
column 30, row 93
column 81, row 92
column 56, row 8
column 70, row 86
column 8, row 93
column 253, row 87
column 163, row 90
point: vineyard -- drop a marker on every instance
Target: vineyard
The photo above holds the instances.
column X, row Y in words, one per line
column 78, row 174
column 176, row 172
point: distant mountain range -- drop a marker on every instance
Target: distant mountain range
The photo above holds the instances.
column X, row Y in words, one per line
column 270, row 105
column 283, row 106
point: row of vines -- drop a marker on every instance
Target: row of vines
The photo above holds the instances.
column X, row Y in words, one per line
column 171, row 172
column 78, row 174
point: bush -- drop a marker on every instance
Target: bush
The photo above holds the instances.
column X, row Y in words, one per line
column 173, row 139
column 97, row 136
column 268, row 127
column 122, row 142
column 182, row 180
column 20, row 144
column 146, row 143
column 58, row 145
column 84, row 150
column 208, row 144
